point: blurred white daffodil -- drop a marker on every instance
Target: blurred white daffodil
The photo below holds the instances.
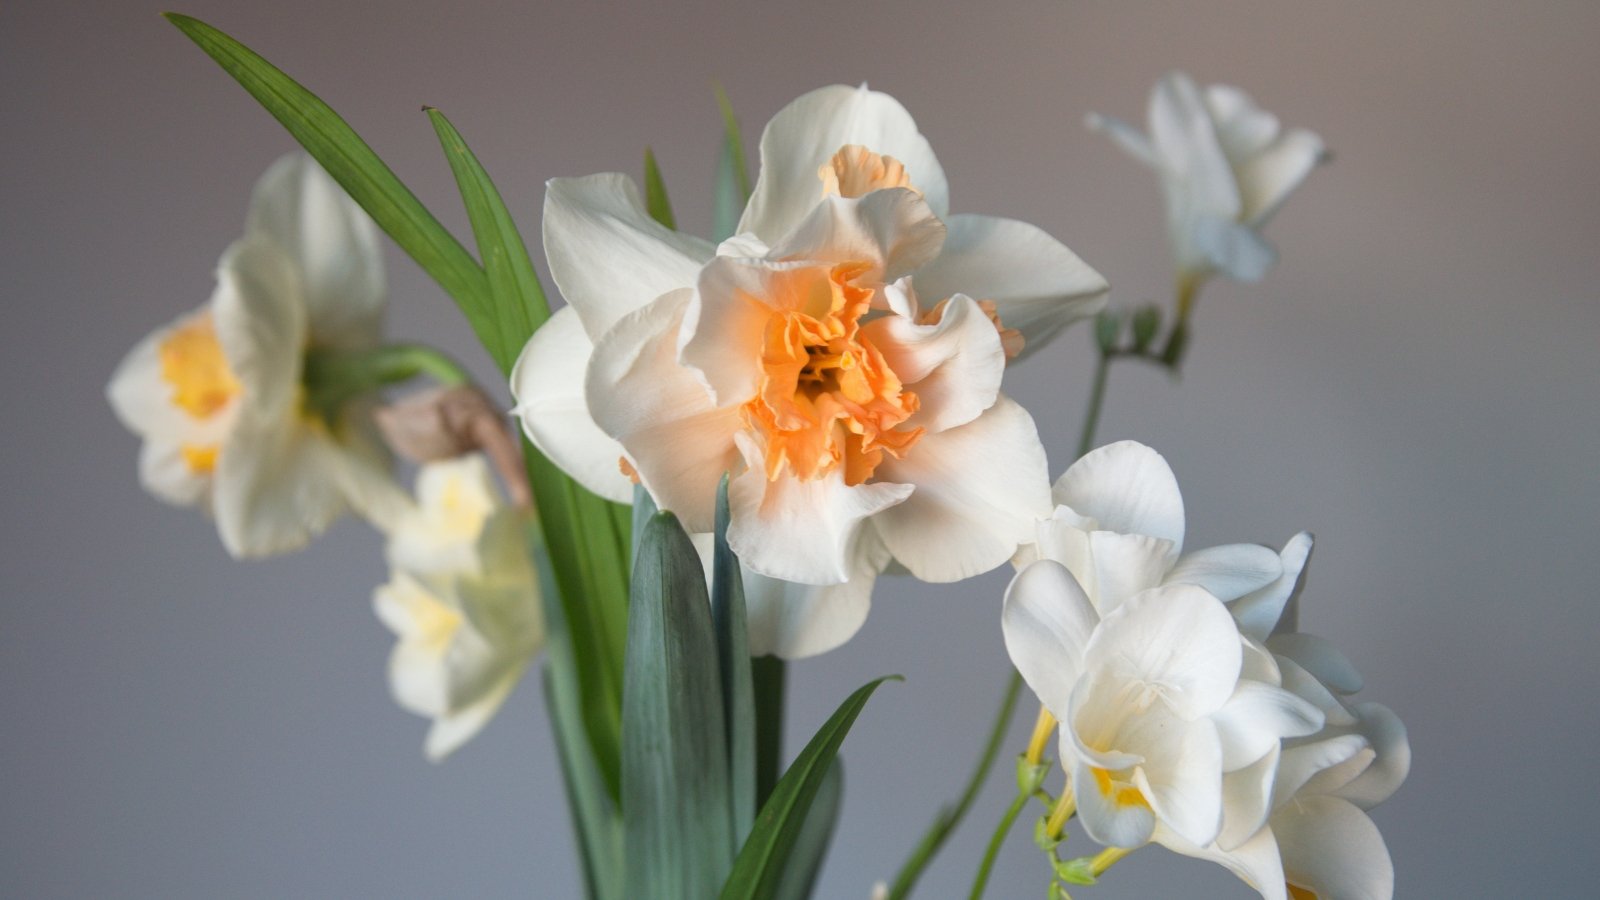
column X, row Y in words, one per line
column 1225, row 164
column 217, row 396
column 859, row 427
column 1118, row 526
column 462, row 599
column 1154, row 701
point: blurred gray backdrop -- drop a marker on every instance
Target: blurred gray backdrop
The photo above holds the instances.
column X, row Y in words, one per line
column 1417, row 382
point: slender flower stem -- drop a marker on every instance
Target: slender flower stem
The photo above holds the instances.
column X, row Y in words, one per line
column 1107, row 858
column 1097, row 399
column 947, row 820
column 981, row 882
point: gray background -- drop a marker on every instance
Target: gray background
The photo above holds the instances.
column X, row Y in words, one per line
column 1417, row 382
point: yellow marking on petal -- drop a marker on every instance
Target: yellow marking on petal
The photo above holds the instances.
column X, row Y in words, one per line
column 200, row 458
column 1299, row 893
column 1120, row 794
column 628, row 470
column 193, row 363
column 855, row 171
column 827, row 398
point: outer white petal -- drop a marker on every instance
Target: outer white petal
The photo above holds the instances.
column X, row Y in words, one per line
column 1191, row 154
column 1255, row 862
column 1257, row 717
column 1266, row 179
column 1124, row 565
column 1300, row 764
column 363, row 469
column 1181, row 775
column 331, row 243
column 954, row 366
column 547, row 384
column 166, row 474
column 142, row 398
column 1047, row 620
column 1247, row 799
column 1108, row 822
column 277, row 485
column 1128, row 488
column 802, row 531
column 1038, row 286
column 809, row 131
column 454, row 728
column 1243, row 128
column 1177, row 637
column 1063, row 537
column 1329, row 846
column 1236, row 250
column 1319, row 657
column 980, row 490
column 680, row 443
column 1258, row 612
column 795, row 621
column 894, row 229
column 1392, row 757
column 1306, row 686
column 607, row 255
column 1229, row 571
column 1130, row 139
column 260, row 317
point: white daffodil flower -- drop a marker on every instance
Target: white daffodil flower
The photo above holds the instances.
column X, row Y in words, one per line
column 1118, row 526
column 1226, row 165
column 1155, row 700
column 859, row 427
column 463, row 601
column 217, row 396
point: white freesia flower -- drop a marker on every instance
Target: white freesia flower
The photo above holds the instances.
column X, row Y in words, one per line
column 1153, row 709
column 463, row 600
column 217, row 395
column 1118, row 526
column 859, row 426
column 1225, row 164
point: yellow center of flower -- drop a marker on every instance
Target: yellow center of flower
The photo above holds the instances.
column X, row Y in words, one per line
column 827, row 396
column 855, row 171
column 193, row 363
column 1119, row 793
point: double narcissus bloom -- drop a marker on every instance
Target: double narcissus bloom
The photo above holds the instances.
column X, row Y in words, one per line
column 841, row 356
column 1210, row 727
column 218, row 396
column 462, row 599
column 1225, row 164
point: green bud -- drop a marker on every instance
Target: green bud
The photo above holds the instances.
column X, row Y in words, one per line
column 1076, row 871
column 1177, row 343
column 1146, row 322
column 1030, row 776
column 1107, row 328
column 1042, row 838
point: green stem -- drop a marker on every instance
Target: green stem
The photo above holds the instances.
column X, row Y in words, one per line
column 768, row 675
column 950, row 817
column 981, row 882
column 1097, row 399
column 333, row 377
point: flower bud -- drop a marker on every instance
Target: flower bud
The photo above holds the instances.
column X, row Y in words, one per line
column 447, row 422
column 1146, row 322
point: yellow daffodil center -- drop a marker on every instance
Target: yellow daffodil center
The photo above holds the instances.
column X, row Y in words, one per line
column 827, row 396
column 1299, row 893
column 1119, row 793
column 855, row 171
column 193, row 363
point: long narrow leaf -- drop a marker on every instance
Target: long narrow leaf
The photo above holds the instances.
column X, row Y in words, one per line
column 655, row 192
column 811, row 846
column 352, row 163
column 768, row 679
column 728, row 613
column 732, row 187
column 762, row 862
column 674, row 755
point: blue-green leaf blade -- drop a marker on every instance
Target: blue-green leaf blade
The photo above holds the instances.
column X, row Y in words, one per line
column 731, row 189
column 655, row 192
column 811, row 846
column 728, row 614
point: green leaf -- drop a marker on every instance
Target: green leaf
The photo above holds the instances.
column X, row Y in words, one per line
column 728, row 613
column 732, row 187
column 811, row 847
column 644, row 508
column 675, row 808
column 655, row 192
column 761, row 865
column 768, row 676
column 516, row 299
column 353, row 164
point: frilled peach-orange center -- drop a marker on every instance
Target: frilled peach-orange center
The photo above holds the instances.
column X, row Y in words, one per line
column 827, row 396
column 855, row 171
column 192, row 362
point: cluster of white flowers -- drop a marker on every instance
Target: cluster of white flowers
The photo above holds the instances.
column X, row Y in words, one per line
column 1191, row 714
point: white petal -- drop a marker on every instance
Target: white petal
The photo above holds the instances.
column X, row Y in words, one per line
column 166, row 473
column 1268, row 178
column 1186, row 142
column 1258, row 612
column 953, row 366
column 547, row 383
column 1128, row 488
column 331, row 243
column 260, row 317
column 1107, row 821
column 1319, row 657
column 1181, row 775
column 1038, row 286
column 809, row 131
column 803, row 531
column 277, row 485
column 1257, row 717
column 1124, row 565
column 680, row 443
column 455, row 728
column 1255, row 862
column 1062, row 537
column 1237, row 251
column 795, row 621
column 980, row 489
column 607, row 255
column 1300, row 764
column 894, row 229
column 725, row 325
column 1047, row 620
column 141, row 397
column 1243, row 128
column 1130, row 139
column 1330, row 847
column 1247, row 799
column 364, row 470
column 1392, row 757
column 1229, row 571
column 1178, row 637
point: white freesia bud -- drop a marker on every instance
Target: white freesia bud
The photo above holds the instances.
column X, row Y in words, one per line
column 217, row 395
column 1226, row 165
column 852, row 439
column 463, row 600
